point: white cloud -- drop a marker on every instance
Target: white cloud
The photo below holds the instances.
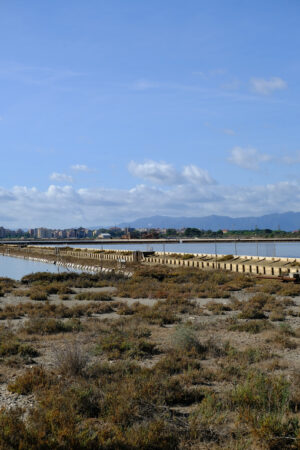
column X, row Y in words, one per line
column 61, row 177
column 292, row 159
column 229, row 132
column 81, row 168
column 232, row 85
column 265, row 87
column 157, row 172
column 64, row 206
column 210, row 73
column 248, row 158
column 166, row 174
column 195, row 175
column 143, row 85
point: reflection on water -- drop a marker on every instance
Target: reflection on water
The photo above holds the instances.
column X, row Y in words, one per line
column 16, row 268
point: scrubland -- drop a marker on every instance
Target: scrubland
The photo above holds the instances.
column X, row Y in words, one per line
column 167, row 359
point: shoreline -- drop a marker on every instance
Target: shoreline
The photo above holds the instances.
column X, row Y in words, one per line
column 144, row 241
column 69, row 265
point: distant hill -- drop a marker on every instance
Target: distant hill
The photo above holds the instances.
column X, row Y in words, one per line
column 289, row 221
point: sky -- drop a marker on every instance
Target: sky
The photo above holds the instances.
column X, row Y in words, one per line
column 116, row 110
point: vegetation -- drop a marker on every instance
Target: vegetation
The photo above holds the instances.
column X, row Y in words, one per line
column 170, row 370
column 98, row 296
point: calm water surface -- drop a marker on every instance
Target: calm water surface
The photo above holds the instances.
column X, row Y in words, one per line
column 283, row 249
column 16, row 268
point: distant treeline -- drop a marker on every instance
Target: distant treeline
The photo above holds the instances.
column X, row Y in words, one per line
column 156, row 233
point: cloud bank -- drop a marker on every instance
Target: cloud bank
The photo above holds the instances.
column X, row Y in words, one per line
column 165, row 190
column 65, row 206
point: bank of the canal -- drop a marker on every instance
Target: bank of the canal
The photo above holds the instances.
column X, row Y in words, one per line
column 96, row 260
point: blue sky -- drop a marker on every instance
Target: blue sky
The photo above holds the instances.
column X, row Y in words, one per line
column 115, row 110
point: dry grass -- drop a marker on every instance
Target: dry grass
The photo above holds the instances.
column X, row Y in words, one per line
column 71, row 359
column 167, row 376
column 97, row 296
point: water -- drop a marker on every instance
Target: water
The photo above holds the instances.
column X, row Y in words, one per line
column 16, row 268
column 281, row 249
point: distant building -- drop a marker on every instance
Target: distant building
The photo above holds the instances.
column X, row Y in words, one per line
column 70, row 233
column 104, row 236
column 43, row 233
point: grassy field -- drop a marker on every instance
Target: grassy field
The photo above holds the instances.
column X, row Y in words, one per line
column 168, row 359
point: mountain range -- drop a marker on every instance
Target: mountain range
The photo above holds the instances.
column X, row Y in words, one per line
column 288, row 221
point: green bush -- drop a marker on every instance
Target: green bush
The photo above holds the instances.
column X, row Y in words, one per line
column 264, row 404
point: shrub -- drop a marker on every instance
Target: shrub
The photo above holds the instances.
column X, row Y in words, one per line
column 286, row 329
column 185, row 339
column 277, row 315
column 71, row 359
column 253, row 327
column 254, row 308
column 6, row 285
column 251, row 312
column 21, row 293
column 250, row 355
column 13, row 431
column 212, row 409
column 283, row 341
column 73, row 278
column 217, row 308
column 160, row 313
column 11, row 345
column 128, row 343
column 261, row 299
column 262, row 393
column 29, row 381
column 269, row 286
column 175, row 362
column 124, row 309
column 263, row 403
column 97, row 296
column 288, row 302
column 235, row 304
column 50, row 326
column 38, row 294
column 153, row 434
column 290, row 290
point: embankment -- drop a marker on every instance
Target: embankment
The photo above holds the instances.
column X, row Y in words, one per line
column 97, row 260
